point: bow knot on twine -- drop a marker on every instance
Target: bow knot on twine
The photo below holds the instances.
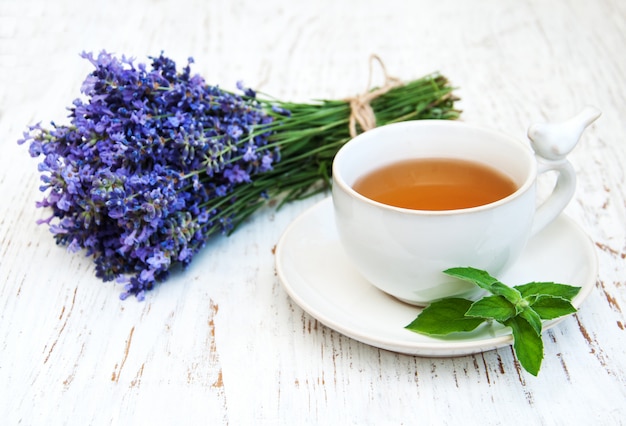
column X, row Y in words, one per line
column 361, row 111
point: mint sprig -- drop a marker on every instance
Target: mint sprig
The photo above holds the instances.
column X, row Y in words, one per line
column 521, row 307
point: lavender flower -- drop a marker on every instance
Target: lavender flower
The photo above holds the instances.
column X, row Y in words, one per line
column 154, row 161
column 123, row 179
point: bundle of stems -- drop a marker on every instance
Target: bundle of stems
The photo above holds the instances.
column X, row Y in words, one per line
column 309, row 139
column 155, row 161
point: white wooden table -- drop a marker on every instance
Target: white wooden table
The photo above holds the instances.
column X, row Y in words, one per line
column 222, row 343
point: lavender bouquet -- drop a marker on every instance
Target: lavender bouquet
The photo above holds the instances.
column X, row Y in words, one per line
column 155, row 161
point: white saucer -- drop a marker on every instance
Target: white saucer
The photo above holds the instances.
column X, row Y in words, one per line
column 317, row 275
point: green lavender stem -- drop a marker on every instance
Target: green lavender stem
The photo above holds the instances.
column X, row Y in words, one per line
column 312, row 135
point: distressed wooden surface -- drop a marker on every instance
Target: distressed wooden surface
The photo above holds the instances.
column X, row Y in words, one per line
column 222, row 343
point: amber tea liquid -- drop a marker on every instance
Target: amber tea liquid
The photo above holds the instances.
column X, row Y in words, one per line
column 435, row 184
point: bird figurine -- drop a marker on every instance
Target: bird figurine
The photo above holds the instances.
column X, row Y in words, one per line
column 553, row 141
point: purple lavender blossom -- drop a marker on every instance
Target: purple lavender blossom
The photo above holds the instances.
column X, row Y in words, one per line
column 135, row 177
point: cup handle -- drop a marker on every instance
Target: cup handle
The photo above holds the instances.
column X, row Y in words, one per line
column 561, row 195
column 551, row 143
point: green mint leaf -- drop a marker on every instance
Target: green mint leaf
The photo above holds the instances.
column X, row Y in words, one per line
column 565, row 291
column 522, row 307
column 494, row 307
column 476, row 276
column 533, row 319
column 550, row 307
column 511, row 294
column 444, row 317
column 527, row 344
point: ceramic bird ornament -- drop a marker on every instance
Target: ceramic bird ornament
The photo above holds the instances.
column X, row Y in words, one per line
column 553, row 141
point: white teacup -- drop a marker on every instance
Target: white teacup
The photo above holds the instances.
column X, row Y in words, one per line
column 402, row 251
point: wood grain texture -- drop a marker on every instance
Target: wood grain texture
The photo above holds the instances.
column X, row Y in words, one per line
column 222, row 343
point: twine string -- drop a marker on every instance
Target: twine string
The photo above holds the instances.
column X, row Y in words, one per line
column 361, row 111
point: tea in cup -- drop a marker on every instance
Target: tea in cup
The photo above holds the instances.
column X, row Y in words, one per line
column 413, row 199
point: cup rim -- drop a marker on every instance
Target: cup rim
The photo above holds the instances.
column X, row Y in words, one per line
column 338, row 179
